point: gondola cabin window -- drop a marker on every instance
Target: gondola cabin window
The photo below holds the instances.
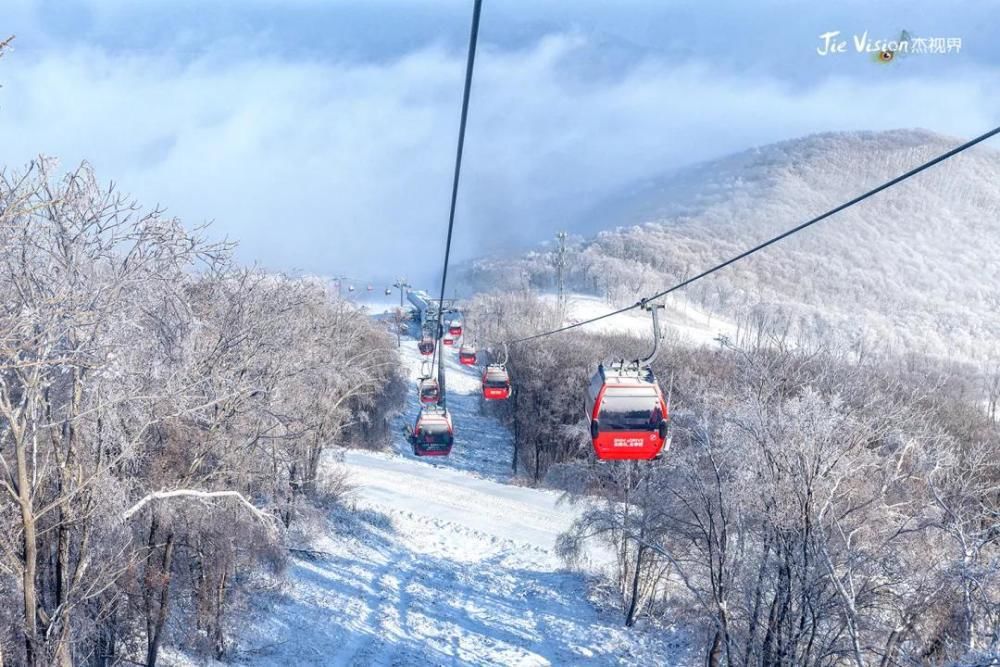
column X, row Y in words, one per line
column 628, row 409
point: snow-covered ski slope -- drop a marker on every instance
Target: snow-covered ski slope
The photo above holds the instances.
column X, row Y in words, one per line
column 444, row 562
column 691, row 324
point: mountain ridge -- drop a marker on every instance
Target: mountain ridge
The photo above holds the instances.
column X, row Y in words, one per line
column 913, row 268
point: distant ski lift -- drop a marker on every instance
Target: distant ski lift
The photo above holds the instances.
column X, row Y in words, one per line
column 350, row 288
column 388, row 291
column 370, row 288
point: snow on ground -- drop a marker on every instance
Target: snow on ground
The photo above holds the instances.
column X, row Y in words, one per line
column 425, row 583
column 689, row 322
column 444, row 563
column 378, row 302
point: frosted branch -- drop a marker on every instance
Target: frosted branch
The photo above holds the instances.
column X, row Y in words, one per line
column 264, row 517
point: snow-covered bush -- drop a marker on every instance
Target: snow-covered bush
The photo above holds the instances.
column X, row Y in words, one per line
column 813, row 507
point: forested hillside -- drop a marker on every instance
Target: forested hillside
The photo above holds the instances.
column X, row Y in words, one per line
column 913, row 269
column 817, row 505
column 830, row 495
column 163, row 415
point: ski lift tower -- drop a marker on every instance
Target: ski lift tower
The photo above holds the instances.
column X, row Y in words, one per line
column 429, row 308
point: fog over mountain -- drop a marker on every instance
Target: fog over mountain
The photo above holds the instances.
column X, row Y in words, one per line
column 911, row 269
column 321, row 135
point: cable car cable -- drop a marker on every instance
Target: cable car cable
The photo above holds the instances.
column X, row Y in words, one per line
column 473, row 38
column 884, row 186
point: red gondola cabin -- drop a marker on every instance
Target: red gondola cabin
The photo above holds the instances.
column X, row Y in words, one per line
column 467, row 355
column 429, row 390
column 627, row 412
column 496, row 383
column 432, row 434
column 455, row 328
column 426, row 346
column 447, row 341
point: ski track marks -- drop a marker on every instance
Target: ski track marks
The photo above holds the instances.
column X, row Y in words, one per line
column 441, row 562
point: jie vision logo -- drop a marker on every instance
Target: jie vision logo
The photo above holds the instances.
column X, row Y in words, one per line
column 886, row 50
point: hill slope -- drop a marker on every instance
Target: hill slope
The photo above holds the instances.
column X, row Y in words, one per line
column 914, row 268
column 444, row 562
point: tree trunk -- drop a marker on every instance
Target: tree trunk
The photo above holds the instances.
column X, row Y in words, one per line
column 538, row 461
column 758, row 596
column 29, row 554
column 969, row 620
column 634, row 602
column 63, row 655
column 714, row 657
column 154, row 633
column 218, row 636
column 517, row 433
column 889, row 654
column 107, row 638
column 767, row 647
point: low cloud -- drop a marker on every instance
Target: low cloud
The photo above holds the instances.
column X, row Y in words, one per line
column 328, row 165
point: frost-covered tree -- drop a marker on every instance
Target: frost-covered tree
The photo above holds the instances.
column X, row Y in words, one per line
column 162, row 415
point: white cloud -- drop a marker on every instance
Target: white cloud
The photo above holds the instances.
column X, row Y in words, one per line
column 345, row 166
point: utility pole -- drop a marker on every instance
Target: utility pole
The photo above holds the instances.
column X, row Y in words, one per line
column 402, row 285
column 440, row 376
column 339, row 281
column 561, row 266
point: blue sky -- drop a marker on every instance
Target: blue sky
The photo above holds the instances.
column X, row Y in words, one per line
column 321, row 135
